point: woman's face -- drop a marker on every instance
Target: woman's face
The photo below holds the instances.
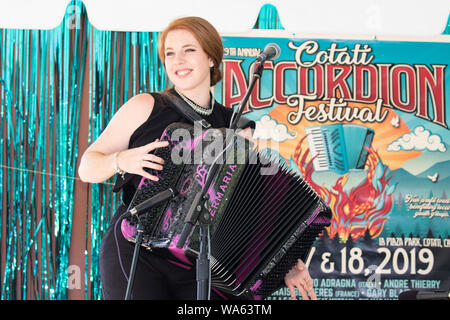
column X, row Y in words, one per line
column 187, row 65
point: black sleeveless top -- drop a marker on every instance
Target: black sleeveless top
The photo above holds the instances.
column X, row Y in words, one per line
column 163, row 114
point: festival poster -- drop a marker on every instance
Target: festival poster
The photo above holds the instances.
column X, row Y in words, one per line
column 365, row 122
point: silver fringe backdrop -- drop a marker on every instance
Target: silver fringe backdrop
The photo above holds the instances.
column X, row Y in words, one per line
column 58, row 90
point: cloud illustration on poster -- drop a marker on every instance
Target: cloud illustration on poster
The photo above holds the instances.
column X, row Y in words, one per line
column 269, row 129
column 420, row 139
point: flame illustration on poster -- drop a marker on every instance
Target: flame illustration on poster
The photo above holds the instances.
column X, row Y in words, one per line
column 364, row 208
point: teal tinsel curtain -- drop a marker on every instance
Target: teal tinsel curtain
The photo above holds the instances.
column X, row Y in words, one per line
column 268, row 18
column 58, row 90
column 447, row 26
column 40, row 72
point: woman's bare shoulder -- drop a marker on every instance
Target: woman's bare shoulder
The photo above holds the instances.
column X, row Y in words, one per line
column 126, row 120
column 141, row 103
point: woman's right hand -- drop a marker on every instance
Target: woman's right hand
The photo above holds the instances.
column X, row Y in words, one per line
column 136, row 159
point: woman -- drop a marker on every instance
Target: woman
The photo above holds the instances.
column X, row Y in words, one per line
column 191, row 51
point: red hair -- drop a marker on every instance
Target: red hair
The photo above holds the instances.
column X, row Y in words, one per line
column 206, row 35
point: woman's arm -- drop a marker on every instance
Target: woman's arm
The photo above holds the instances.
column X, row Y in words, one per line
column 98, row 161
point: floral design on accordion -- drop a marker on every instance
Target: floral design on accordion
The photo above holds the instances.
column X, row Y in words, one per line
column 201, row 174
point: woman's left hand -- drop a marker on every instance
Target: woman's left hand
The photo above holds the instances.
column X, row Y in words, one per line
column 298, row 277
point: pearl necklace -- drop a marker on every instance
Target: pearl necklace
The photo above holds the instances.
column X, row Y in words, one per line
column 196, row 107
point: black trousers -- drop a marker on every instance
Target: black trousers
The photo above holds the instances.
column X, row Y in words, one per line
column 159, row 275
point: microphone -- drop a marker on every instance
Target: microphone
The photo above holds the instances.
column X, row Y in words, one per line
column 150, row 202
column 424, row 295
column 271, row 52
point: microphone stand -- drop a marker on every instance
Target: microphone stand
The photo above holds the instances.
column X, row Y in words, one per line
column 137, row 246
column 196, row 214
column 203, row 270
column 145, row 205
column 256, row 75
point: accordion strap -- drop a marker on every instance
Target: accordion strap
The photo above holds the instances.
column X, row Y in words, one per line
column 185, row 110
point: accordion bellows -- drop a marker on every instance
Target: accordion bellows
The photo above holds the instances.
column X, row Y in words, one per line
column 263, row 217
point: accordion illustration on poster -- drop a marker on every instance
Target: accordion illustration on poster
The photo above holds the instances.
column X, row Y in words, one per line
column 364, row 122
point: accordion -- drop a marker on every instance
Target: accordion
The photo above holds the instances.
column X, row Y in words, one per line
column 339, row 147
column 262, row 217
